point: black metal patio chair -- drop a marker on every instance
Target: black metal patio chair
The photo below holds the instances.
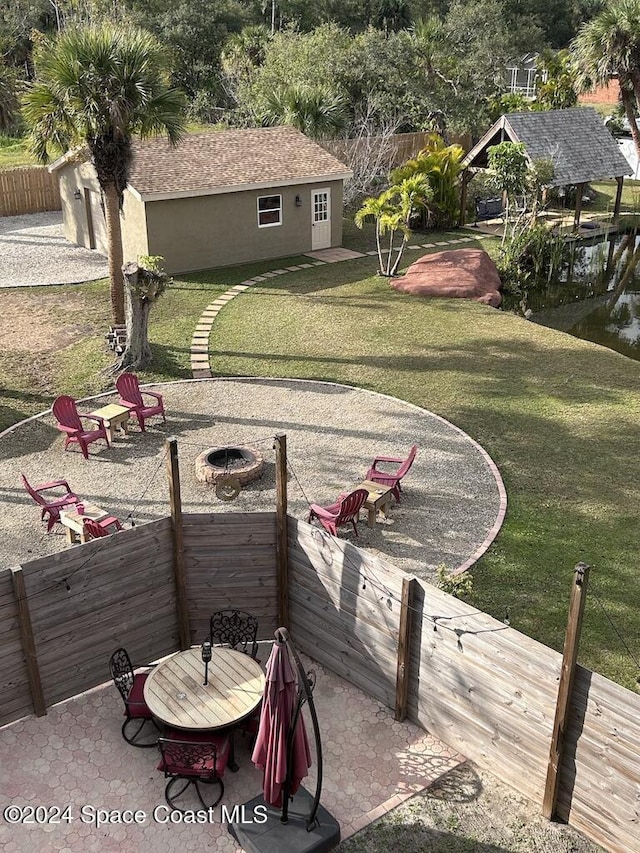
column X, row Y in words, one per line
column 193, row 759
column 131, row 687
column 235, row 628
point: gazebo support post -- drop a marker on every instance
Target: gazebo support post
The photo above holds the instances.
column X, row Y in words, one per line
column 616, row 206
column 578, row 210
column 175, row 501
column 466, row 178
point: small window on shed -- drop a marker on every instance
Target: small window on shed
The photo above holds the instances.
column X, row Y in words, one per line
column 269, row 211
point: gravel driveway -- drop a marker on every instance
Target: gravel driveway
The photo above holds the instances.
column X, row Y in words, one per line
column 34, row 251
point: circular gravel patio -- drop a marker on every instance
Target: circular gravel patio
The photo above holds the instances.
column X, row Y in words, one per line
column 453, row 500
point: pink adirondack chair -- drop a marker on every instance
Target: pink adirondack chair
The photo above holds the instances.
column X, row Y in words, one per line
column 343, row 511
column 392, row 478
column 51, row 505
column 69, row 420
column 97, row 529
column 132, row 397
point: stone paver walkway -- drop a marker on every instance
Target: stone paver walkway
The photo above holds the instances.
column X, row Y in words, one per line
column 199, row 349
column 75, row 756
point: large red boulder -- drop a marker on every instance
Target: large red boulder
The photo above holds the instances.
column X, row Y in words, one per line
column 463, row 273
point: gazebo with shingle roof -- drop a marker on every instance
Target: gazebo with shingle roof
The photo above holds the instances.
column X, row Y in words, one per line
column 574, row 140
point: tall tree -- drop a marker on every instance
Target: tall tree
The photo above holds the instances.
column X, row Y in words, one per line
column 314, row 110
column 99, row 87
column 609, row 44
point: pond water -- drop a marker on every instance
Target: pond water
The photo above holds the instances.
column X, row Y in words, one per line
column 596, row 295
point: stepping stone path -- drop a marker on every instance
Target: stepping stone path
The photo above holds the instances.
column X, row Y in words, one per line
column 199, row 348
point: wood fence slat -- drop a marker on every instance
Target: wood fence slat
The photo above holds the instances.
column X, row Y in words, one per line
column 30, row 189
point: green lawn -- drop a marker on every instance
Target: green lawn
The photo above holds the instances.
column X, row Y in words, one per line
column 558, row 415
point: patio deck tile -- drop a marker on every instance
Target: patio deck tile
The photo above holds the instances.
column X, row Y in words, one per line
column 76, row 755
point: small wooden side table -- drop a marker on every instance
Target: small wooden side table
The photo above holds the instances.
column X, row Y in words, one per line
column 74, row 522
column 379, row 499
column 115, row 418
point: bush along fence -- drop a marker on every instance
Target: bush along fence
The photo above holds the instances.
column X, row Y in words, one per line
column 562, row 735
column 28, row 190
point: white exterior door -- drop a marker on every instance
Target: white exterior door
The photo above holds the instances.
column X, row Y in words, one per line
column 321, row 219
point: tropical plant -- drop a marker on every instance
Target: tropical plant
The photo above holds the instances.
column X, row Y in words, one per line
column 556, row 81
column 532, row 256
column 610, row 44
column 509, row 165
column 97, row 87
column 392, row 212
column 314, row 110
column 440, row 165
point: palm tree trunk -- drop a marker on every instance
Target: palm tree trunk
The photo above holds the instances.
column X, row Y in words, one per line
column 379, row 245
column 627, row 103
column 400, row 251
column 114, row 240
column 391, row 235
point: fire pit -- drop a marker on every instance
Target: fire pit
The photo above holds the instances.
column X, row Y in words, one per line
column 243, row 463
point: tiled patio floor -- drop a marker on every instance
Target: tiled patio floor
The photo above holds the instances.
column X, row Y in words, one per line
column 76, row 756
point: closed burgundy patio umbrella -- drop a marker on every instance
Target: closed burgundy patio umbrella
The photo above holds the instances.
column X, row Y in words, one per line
column 276, row 744
column 292, row 824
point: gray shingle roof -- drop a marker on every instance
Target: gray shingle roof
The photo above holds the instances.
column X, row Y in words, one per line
column 575, row 140
column 230, row 159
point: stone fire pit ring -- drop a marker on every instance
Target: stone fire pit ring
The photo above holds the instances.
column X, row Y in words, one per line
column 244, row 463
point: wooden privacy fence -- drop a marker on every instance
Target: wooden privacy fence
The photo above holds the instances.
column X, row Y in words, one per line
column 401, row 146
column 81, row 604
column 28, row 190
column 477, row 684
column 472, row 681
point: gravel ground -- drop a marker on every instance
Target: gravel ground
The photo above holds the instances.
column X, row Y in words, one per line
column 34, row 250
column 450, row 503
column 468, row 811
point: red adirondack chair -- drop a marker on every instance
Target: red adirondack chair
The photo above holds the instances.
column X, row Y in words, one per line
column 343, row 511
column 69, row 420
column 97, row 529
column 392, row 478
column 51, row 505
column 132, row 397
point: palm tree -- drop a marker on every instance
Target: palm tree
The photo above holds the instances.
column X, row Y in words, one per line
column 608, row 44
column 97, row 87
column 314, row 110
column 392, row 212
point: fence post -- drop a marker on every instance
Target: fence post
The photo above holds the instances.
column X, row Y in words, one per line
column 569, row 658
column 404, row 648
column 28, row 643
column 282, row 544
column 179, row 573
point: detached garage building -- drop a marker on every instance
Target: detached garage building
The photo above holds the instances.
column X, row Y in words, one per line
column 216, row 199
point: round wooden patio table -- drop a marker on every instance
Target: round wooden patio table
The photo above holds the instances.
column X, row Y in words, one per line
column 176, row 694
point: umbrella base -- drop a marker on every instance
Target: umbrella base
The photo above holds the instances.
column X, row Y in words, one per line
column 273, row 836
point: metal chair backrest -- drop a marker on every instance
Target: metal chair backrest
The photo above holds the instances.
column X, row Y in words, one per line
column 408, row 462
column 128, row 387
column 235, row 628
column 188, row 758
column 66, row 412
column 351, row 505
column 37, row 497
column 122, row 672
